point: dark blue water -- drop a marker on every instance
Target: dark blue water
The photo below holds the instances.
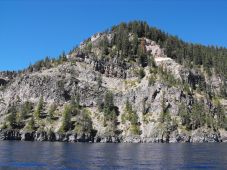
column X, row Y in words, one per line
column 46, row 155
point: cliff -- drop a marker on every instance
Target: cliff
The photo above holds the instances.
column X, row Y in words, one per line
column 105, row 92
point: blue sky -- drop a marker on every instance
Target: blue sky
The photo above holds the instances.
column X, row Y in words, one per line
column 33, row 29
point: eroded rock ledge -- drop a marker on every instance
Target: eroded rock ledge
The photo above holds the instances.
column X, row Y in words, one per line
column 199, row 136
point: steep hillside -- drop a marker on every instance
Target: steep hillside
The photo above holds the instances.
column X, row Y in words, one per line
column 132, row 83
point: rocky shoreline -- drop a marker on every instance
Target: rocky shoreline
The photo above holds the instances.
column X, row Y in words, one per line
column 89, row 138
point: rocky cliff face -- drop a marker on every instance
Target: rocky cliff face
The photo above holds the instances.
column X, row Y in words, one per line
column 147, row 104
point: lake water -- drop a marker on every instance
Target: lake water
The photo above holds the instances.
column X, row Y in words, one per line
column 47, row 155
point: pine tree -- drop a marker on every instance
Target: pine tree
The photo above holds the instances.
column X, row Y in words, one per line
column 135, row 44
column 109, row 110
column 197, row 115
column 221, row 118
column 108, row 102
column 26, row 108
column 12, row 119
column 66, row 121
column 39, row 108
column 51, row 111
column 125, row 43
column 31, row 123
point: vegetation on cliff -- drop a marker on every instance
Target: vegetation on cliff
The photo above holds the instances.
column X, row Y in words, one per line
column 129, row 92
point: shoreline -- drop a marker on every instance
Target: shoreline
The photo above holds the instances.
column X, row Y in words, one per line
column 69, row 137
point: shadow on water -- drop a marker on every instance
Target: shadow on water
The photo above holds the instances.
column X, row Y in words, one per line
column 47, row 155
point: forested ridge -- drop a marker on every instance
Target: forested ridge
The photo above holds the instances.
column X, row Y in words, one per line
column 189, row 54
column 212, row 59
column 112, row 87
column 208, row 61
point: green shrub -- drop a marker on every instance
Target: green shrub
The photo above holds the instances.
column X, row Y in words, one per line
column 151, row 80
column 135, row 130
column 141, row 73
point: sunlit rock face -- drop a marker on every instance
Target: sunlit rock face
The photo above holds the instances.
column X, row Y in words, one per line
column 89, row 74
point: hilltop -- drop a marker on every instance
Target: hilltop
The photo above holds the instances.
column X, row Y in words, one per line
column 131, row 83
